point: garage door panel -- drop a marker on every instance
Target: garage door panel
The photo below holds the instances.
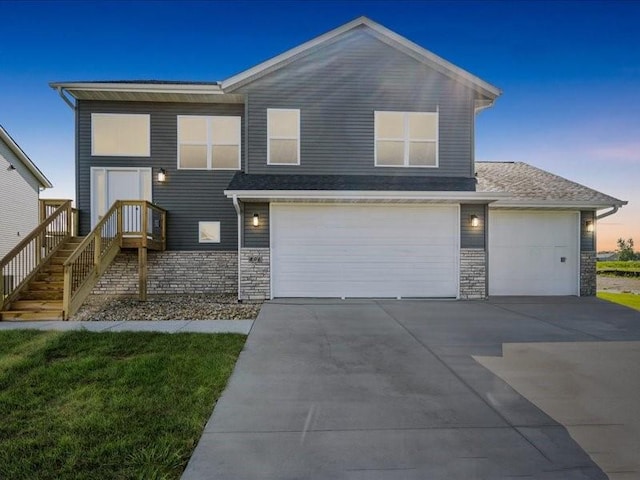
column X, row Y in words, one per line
column 364, row 250
column 526, row 249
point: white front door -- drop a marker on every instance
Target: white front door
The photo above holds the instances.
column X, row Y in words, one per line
column 364, row 250
column 533, row 252
column 118, row 183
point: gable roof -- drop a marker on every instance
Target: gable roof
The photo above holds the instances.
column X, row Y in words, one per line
column 26, row 161
column 416, row 51
column 531, row 186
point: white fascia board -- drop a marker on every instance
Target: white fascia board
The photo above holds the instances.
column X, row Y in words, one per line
column 139, row 88
column 362, row 195
column 19, row 153
column 454, row 71
column 535, row 203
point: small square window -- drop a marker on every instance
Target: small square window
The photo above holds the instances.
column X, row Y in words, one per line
column 209, row 232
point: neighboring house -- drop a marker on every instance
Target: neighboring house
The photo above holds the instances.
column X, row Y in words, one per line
column 341, row 168
column 20, row 185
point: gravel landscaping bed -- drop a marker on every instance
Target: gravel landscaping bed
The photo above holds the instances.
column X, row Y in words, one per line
column 618, row 284
column 166, row 307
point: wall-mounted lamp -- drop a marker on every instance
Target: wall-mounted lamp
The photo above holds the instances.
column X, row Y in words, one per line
column 162, row 175
column 256, row 220
column 589, row 225
column 474, row 220
column 10, row 167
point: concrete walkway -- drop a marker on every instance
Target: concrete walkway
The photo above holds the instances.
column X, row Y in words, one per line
column 166, row 326
column 390, row 390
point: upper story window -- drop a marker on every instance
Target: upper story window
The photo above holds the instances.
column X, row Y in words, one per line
column 208, row 143
column 120, row 135
column 283, row 136
column 406, row 139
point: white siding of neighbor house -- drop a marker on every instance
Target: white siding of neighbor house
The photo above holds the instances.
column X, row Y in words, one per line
column 18, row 200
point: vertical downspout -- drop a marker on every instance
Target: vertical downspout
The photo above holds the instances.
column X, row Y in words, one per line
column 236, row 205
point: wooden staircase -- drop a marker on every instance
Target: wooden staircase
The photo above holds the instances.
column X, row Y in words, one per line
column 42, row 298
column 50, row 273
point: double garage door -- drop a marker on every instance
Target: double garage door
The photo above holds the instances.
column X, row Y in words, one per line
column 364, row 250
column 373, row 250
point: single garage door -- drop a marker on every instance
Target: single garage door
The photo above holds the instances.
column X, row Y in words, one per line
column 533, row 253
column 364, row 250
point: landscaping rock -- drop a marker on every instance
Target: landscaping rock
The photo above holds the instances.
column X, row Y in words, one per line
column 166, row 307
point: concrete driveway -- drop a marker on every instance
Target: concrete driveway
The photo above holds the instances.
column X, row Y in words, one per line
column 390, row 390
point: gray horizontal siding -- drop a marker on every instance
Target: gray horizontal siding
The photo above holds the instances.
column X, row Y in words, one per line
column 587, row 239
column 256, row 237
column 338, row 89
column 189, row 196
column 473, row 237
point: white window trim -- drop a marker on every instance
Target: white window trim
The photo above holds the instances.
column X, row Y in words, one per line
column 209, row 143
column 269, row 137
column 148, row 134
column 406, row 139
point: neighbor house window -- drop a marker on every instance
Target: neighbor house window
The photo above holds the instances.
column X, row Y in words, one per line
column 120, row 135
column 406, row 139
column 283, row 136
column 209, row 232
column 208, row 143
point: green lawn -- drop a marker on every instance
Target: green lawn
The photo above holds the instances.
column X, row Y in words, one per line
column 627, row 299
column 81, row 405
column 630, row 266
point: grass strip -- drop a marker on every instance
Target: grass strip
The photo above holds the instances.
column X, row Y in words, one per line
column 86, row 405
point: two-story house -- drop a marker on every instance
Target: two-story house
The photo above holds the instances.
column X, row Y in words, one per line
column 341, row 168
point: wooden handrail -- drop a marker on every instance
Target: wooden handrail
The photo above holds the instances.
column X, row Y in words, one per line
column 126, row 218
column 26, row 258
column 46, row 206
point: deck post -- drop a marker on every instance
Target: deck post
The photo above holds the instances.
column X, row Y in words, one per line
column 142, row 273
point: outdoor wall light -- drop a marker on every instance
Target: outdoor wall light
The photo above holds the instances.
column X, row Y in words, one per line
column 162, row 175
column 256, row 220
column 589, row 225
column 10, row 167
column 475, row 221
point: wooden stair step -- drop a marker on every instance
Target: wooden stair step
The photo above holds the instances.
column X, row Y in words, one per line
column 52, row 268
column 49, row 277
column 42, row 285
column 40, row 295
column 27, row 315
column 36, row 305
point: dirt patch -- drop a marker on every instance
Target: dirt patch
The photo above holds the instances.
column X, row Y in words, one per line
column 166, row 307
column 609, row 283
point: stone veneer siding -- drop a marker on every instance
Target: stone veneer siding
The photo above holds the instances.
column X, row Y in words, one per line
column 255, row 274
column 172, row 272
column 587, row 274
column 473, row 270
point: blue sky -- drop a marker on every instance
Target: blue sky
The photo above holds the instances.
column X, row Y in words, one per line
column 569, row 71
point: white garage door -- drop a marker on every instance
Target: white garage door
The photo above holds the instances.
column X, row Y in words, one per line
column 533, row 253
column 364, row 250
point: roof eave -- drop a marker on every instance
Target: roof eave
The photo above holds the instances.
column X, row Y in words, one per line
column 138, row 87
column 24, row 158
column 363, row 195
column 542, row 203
